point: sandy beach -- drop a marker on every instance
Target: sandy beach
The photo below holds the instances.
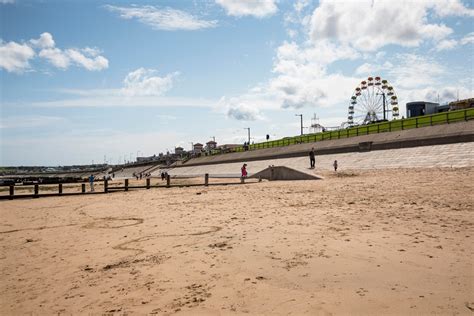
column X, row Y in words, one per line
column 385, row 242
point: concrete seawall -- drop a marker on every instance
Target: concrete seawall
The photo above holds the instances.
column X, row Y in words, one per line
column 455, row 155
column 461, row 132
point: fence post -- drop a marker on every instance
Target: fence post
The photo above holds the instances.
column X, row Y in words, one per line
column 206, row 179
column 60, row 188
column 36, row 190
column 378, row 128
column 465, row 115
column 416, row 122
column 357, row 131
column 126, row 184
column 402, row 124
column 338, row 134
column 242, row 180
column 106, row 186
column 83, row 188
column 431, row 120
column 148, row 183
column 447, row 117
column 390, row 126
column 168, row 180
column 347, row 130
column 12, row 191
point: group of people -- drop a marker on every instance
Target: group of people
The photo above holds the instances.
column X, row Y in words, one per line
column 164, row 175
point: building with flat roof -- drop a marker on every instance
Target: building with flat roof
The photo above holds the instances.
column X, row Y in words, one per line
column 420, row 108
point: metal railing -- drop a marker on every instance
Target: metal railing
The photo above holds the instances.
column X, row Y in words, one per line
column 390, row 126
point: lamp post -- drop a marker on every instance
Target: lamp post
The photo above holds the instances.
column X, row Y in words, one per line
column 301, row 117
column 248, row 128
column 383, row 103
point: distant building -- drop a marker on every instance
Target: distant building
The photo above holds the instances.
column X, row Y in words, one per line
column 420, row 108
column 210, row 145
column 461, row 104
column 179, row 150
column 197, row 148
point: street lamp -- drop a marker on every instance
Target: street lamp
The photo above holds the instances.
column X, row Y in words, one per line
column 301, row 116
column 248, row 128
column 383, row 100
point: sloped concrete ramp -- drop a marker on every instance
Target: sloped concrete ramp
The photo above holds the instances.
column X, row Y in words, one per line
column 283, row 173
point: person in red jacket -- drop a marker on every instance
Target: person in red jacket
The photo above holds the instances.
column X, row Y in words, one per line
column 244, row 171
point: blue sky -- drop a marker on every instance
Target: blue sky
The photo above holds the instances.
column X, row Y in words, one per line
column 85, row 81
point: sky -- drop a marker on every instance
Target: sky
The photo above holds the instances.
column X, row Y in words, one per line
column 104, row 81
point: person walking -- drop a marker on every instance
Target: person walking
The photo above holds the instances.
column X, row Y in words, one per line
column 335, row 165
column 91, row 182
column 312, row 159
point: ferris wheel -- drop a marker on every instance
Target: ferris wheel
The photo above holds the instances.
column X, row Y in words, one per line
column 372, row 101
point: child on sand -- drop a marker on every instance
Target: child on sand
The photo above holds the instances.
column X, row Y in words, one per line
column 244, row 171
column 91, row 181
column 335, row 165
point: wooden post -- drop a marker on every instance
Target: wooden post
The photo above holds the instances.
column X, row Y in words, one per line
column 431, row 120
column 12, row 191
column 242, row 180
column 60, row 188
column 402, row 124
column 416, row 122
column 126, row 184
column 168, row 180
column 106, row 186
column 206, row 179
column 447, row 117
column 148, row 183
column 83, row 188
column 36, row 190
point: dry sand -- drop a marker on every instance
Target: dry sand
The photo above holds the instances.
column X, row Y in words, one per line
column 392, row 242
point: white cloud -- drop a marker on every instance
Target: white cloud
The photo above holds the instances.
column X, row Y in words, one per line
column 468, row 39
column 384, row 22
column 88, row 59
column 56, row 57
column 15, row 57
column 141, row 82
column 242, row 112
column 256, row 8
column 6, row 1
column 44, row 41
column 446, row 44
column 163, row 19
column 414, row 71
column 141, row 87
